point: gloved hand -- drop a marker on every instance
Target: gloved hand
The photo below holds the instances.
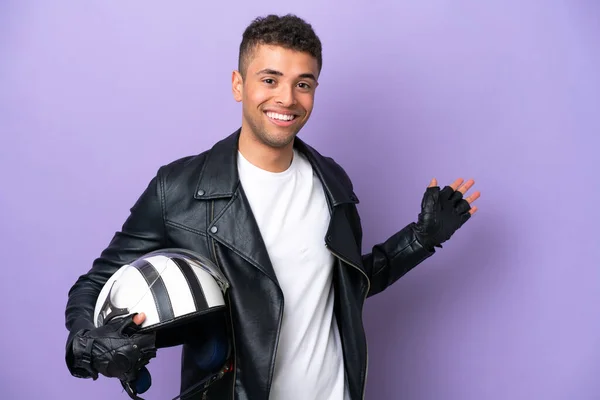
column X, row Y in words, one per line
column 115, row 350
column 443, row 212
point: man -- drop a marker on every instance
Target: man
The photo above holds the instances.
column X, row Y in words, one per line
column 280, row 221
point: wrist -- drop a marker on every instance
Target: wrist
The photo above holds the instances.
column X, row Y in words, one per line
column 425, row 240
column 81, row 356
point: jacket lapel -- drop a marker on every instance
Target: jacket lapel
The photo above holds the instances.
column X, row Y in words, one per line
column 338, row 188
column 340, row 239
column 236, row 228
column 233, row 223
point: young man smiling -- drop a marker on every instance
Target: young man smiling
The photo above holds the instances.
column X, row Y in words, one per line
column 281, row 223
column 276, row 86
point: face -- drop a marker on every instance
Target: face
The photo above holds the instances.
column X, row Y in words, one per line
column 277, row 94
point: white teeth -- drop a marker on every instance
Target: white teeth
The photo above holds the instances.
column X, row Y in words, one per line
column 282, row 117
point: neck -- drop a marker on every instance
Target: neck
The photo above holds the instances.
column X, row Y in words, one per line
column 264, row 156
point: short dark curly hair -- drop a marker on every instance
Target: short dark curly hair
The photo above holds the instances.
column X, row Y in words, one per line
column 288, row 31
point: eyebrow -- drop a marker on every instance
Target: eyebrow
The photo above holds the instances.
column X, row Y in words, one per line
column 268, row 71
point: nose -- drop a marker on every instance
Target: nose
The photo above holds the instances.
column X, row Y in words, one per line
column 286, row 96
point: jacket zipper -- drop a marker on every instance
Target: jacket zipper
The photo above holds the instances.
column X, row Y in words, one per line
column 279, row 327
column 212, row 216
column 364, row 299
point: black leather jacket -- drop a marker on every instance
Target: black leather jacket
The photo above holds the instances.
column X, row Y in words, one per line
column 198, row 203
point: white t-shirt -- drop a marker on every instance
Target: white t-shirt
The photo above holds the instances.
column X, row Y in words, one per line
column 293, row 216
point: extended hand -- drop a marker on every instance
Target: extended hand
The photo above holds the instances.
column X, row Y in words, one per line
column 444, row 211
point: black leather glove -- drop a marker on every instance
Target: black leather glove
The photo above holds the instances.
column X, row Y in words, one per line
column 443, row 212
column 114, row 350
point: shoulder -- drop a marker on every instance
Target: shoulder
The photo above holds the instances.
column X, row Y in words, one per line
column 182, row 167
column 327, row 164
column 339, row 171
column 194, row 165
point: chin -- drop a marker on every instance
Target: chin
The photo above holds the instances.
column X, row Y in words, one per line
column 277, row 139
column 272, row 135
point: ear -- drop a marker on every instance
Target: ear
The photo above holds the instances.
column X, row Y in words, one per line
column 237, row 86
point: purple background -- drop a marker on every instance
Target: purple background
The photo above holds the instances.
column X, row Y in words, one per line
column 95, row 96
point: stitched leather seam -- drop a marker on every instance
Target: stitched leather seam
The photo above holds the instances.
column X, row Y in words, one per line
column 409, row 245
column 208, row 221
column 161, row 187
column 180, row 226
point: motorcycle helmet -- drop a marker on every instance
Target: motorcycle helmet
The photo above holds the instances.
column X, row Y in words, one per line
column 182, row 295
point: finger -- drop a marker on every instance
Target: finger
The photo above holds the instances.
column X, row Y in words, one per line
column 473, row 210
column 468, row 184
column 462, row 206
column 473, row 197
column 456, row 183
column 433, row 182
column 139, row 318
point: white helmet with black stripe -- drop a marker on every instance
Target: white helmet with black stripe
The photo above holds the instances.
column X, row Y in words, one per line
column 180, row 292
column 171, row 286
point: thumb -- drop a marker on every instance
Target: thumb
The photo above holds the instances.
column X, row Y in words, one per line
column 139, row 318
column 433, row 182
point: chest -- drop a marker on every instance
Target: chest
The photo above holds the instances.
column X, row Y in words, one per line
column 293, row 216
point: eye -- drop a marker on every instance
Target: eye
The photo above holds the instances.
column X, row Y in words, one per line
column 269, row 81
column 304, row 85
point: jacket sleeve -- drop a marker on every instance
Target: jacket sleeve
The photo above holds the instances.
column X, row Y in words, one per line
column 142, row 232
column 390, row 260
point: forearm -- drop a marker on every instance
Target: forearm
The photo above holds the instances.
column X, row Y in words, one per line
column 80, row 307
column 81, row 301
column 142, row 232
column 82, row 296
column 392, row 259
column 126, row 246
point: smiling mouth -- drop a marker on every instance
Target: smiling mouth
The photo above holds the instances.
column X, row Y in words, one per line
column 280, row 117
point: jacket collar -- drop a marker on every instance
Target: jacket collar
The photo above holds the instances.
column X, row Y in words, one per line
column 219, row 174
